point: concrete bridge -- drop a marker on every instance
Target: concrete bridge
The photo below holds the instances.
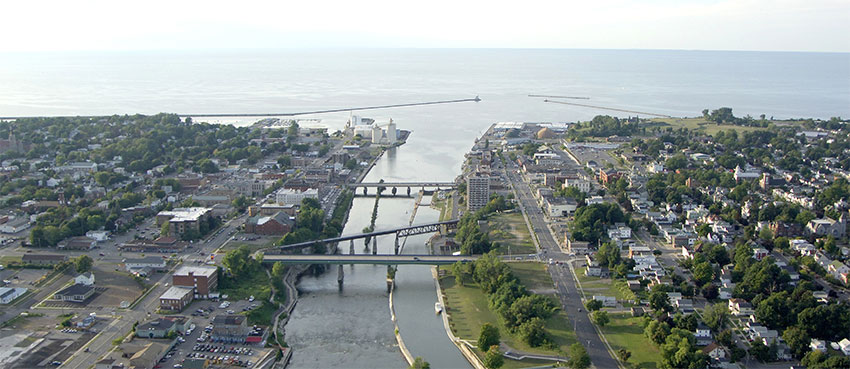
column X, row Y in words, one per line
column 368, row 259
column 394, row 186
column 403, row 184
column 399, row 232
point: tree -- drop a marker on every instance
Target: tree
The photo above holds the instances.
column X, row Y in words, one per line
column 278, row 269
column 238, row 261
column 489, row 336
column 798, row 341
column 579, row 359
column 241, row 203
column 419, row 363
column 493, row 358
column 83, row 263
column 703, row 273
column 624, row 354
column 715, row 316
column 532, row 332
column 600, row 318
column 760, row 351
column 593, row 305
column 165, row 229
column 458, row 272
column 659, row 301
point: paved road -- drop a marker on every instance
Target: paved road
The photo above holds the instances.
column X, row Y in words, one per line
column 564, row 279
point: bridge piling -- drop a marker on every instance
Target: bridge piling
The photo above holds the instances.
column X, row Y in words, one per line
column 351, row 248
column 396, row 244
column 340, row 276
column 374, row 245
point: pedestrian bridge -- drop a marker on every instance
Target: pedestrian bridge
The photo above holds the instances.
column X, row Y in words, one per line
column 368, row 259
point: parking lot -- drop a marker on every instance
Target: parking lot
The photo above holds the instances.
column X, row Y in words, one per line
column 198, row 344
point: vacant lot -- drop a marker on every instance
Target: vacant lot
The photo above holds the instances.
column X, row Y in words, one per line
column 626, row 332
column 511, row 233
column 119, row 286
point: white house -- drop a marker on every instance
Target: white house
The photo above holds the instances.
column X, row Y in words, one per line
column 607, row 301
column 817, row 345
column 845, row 346
column 85, row 279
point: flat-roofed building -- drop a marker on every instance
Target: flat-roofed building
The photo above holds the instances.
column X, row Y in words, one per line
column 202, row 280
column 176, row 298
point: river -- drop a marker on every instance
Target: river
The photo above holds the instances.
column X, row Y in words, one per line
column 352, row 328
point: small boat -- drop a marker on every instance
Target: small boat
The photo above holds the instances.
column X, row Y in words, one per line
column 438, row 308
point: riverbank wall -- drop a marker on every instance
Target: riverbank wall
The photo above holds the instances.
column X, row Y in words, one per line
column 462, row 346
column 401, row 346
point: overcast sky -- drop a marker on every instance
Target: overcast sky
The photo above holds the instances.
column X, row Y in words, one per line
column 782, row 25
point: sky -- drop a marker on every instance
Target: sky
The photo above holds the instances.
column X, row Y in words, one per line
column 761, row 25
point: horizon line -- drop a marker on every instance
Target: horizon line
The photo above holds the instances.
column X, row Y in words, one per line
column 340, row 48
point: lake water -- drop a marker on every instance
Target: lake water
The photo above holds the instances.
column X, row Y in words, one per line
column 352, row 328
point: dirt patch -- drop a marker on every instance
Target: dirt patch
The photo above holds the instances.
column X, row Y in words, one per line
column 118, row 286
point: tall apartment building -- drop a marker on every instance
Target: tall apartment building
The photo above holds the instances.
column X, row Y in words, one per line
column 477, row 191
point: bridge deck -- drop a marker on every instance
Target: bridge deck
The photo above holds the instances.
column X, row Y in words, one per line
column 402, row 184
column 368, row 259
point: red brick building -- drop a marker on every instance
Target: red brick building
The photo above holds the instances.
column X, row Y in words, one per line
column 176, row 298
column 278, row 224
column 202, row 279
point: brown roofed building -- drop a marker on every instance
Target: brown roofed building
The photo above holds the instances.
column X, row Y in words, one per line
column 278, row 224
column 43, row 259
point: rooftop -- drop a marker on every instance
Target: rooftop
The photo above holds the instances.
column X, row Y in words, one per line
column 185, row 214
column 176, row 293
column 184, row 271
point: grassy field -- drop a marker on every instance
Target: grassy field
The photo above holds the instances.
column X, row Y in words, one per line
column 533, row 275
column 510, row 232
column 6, row 259
column 625, row 332
column 608, row 287
column 253, row 246
column 703, row 125
column 468, row 311
column 256, row 284
column 518, row 364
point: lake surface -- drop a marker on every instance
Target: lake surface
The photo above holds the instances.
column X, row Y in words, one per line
column 352, row 328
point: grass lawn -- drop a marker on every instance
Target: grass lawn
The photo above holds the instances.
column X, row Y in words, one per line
column 701, row 124
column 255, row 284
column 510, row 231
column 625, row 332
column 517, row 364
column 6, row 259
column 253, row 246
column 468, row 311
column 608, row 287
column 533, row 275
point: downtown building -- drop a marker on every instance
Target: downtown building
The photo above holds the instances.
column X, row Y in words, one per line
column 477, row 190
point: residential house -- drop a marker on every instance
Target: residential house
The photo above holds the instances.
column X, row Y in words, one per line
column 607, row 301
column 844, row 344
column 85, row 279
column 817, row 345
column 740, row 307
column 703, row 334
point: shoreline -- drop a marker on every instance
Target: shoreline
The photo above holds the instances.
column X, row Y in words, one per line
column 464, row 349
